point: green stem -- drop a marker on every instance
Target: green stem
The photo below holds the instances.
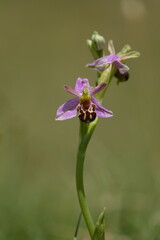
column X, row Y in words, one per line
column 86, row 131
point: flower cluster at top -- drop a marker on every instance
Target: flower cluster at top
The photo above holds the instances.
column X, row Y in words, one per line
column 84, row 104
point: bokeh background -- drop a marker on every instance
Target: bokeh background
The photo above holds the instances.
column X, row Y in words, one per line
column 43, row 47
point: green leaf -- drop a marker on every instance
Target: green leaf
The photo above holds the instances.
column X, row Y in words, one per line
column 99, row 233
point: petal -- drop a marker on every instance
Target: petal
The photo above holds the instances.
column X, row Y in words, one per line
column 123, row 68
column 71, row 90
column 112, row 58
column 67, row 110
column 102, row 63
column 124, row 50
column 103, row 114
column 99, row 68
column 97, row 89
column 98, row 65
column 128, row 55
column 99, row 61
column 80, row 84
column 111, row 48
column 100, row 110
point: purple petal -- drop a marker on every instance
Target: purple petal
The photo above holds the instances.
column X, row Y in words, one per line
column 112, row 58
column 80, row 84
column 68, row 109
column 71, row 90
column 100, row 110
column 107, row 59
column 123, row 68
column 103, row 114
column 101, row 63
column 97, row 89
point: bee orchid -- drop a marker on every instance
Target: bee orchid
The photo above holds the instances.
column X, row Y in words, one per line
column 84, row 104
column 102, row 63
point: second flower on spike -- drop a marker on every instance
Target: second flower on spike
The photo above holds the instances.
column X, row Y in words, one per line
column 102, row 63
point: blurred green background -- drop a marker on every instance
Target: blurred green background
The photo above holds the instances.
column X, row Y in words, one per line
column 43, row 47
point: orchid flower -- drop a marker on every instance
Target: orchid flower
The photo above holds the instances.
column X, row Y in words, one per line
column 118, row 59
column 84, row 104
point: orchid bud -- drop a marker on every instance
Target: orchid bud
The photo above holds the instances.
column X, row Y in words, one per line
column 98, row 41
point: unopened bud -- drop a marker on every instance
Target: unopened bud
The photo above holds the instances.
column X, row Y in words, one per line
column 98, row 41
